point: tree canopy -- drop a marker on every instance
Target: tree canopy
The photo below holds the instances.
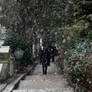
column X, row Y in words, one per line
column 35, row 17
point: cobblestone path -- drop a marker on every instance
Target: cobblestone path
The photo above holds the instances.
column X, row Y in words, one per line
column 52, row 82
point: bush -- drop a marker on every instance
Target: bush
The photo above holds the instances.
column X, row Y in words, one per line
column 80, row 64
column 70, row 35
column 16, row 41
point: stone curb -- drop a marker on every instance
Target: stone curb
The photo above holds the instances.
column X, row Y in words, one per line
column 3, row 86
column 11, row 86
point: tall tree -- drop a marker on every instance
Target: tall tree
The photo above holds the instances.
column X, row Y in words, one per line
column 25, row 16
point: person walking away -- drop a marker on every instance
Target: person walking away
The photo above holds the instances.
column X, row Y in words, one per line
column 48, row 56
column 54, row 52
column 43, row 61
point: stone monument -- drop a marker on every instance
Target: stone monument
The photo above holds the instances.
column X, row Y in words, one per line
column 6, row 65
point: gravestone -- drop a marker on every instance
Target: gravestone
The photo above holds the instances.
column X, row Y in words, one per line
column 6, row 65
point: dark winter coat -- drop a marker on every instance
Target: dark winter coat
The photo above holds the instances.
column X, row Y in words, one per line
column 43, row 60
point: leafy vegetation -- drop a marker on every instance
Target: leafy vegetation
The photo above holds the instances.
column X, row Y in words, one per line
column 75, row 39
column 67, row 23
column 27, row 20
column 79, row 62
column 16, row 41
column 41, row 17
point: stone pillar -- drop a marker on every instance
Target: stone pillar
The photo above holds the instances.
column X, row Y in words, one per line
column 6, row 68
column 11, row 62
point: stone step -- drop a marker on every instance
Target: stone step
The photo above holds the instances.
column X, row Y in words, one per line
column 36, row 77
column 44, row 79
column 52, row 69
column 43, row 83
column 48, row 81
column 46, row 90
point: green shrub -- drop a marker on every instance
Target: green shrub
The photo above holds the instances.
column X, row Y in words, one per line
column 15, row 41
column 78, row 67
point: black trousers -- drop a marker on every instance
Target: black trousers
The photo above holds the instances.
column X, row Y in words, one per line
column 44, row 68
column 48, row 62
